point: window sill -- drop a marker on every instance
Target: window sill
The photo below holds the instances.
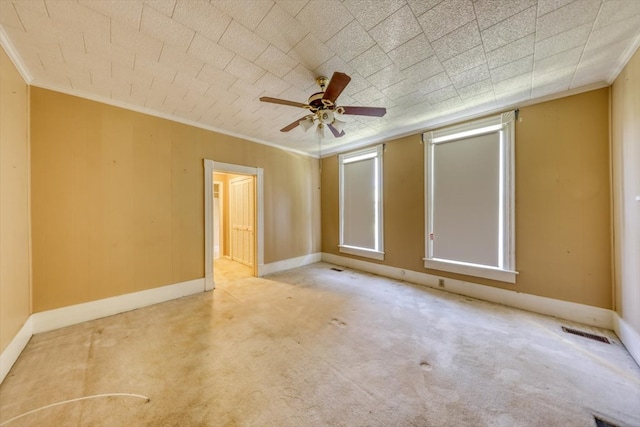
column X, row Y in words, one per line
column 363, row 252
column 471, row 270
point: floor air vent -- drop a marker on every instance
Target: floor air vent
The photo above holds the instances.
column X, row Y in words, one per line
column 336, row 269
column 603, row 423
column 586, row 335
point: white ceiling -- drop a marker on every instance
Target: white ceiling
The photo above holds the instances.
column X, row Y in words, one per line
column 427, row 61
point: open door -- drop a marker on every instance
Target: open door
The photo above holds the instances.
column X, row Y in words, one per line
column 242, row 219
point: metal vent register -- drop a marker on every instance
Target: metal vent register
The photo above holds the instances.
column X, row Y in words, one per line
column 586, row 335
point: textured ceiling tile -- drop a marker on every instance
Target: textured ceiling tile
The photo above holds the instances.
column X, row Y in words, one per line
column 129, row 38
column 244, row 70
column 510, row 30
column 574, row 37
column 154, row 69
column 369, row 95
column 9, row 16
column 271, row 29
column 475, row 89
column 248, row 13
column 275, row 61
column 444, row 94
column 165, row 29
column 272, row 83
column 81, row 18
column 333, row 64
column 293, row 94
column 434, row 83
column 521, row 82
column 490, row 12
column 310, row 52
column 172, row 57
column 215, row 77
column 457, row 41
column 250, row 92
column 512, row 69
column 240, row 40
column 210, row 52
column 613, row 11
column 351, row 41
column 599, row 65
column 421, row 6
column 465, row 61
column 293, row 7
column 357, row 84
column 400, row 89
column 413, row 51
column 396, row 30
column 371, row 61
column 324, row 18
column 471, row 76
column 201, row 16
column 301, row 78
column 129, row 12
column 514, row 50
column 446, row 17
column 30, row 13
column 622, row 30
column 371, row 12
column 546, row 6
column 386, row 77
column 164, row 6
column 566, row 18
column 424, row 69
column 557, row 61
column 191, row 83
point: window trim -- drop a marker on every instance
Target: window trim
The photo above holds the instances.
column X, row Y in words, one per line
column 354, row 156
column 504, row 124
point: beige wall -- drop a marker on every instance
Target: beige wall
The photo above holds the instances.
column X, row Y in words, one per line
column 118, row 199
column 15, row 267
column 625, row 130
column 563, row 246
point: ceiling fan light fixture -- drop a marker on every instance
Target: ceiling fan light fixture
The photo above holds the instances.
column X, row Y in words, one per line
column 320, row 130
column 306, row 123
column 338, row 124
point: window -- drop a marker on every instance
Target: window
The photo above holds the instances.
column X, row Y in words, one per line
column 361, row 203
column 470, row 186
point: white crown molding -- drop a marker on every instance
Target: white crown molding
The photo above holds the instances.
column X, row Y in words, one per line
column 15, row 58
column 456, row 118
column 151, row 112
column 624, row 59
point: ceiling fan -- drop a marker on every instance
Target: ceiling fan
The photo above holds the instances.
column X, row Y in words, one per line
column 323, row 108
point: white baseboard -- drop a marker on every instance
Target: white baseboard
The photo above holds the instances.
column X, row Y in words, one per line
column 66, row 316
column 589, row 315
column 288, row 264
column 73, row 314
column 15, row 347
column 629, row 337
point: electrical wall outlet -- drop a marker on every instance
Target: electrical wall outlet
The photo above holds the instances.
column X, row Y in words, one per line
column 441, row 283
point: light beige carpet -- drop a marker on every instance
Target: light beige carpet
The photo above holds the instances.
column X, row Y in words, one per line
column 317, row 347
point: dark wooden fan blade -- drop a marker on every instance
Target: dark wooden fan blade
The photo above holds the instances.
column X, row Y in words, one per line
column 336, row 85
column 293, row 125
column 334, row 131
column 283, row 102
column 365, row 111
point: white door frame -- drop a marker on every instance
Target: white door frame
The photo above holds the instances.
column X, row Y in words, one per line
column 211, row 166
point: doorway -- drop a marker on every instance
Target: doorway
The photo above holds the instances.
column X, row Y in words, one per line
column 234, row 218
column 233, row 226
